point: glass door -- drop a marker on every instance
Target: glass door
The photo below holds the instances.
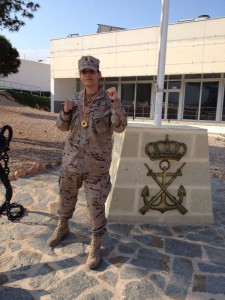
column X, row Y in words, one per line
column 143, row 100
column 172, row 105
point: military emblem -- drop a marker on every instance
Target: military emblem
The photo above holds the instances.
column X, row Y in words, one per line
column 163, row 201
column 89, row 61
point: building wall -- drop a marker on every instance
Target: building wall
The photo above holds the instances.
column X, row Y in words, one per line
column 61, row 90
column 129, row 58
column 193, row 47
column 32, row 76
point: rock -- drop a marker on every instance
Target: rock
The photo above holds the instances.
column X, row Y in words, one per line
column 33, row 170
column 20, row 173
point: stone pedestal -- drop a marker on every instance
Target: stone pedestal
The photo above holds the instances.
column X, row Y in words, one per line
column 129, row 176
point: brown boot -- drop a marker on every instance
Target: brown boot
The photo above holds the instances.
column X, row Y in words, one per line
column 94, row 256
column 61, row 231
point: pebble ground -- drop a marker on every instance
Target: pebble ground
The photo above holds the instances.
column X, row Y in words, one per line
column 139, row 262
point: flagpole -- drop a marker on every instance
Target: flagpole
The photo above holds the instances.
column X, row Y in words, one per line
column 161, row 62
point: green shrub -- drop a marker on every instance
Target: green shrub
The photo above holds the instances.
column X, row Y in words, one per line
column 31, row 100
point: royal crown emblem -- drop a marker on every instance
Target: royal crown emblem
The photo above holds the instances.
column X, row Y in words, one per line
column 165, row 149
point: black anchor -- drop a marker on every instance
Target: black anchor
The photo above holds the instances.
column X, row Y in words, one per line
column 5, row 138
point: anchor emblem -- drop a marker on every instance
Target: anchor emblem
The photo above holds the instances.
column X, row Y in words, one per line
column 164, row 200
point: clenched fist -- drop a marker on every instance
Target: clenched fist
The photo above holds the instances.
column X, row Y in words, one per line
column 112, row 93
column 68, row 106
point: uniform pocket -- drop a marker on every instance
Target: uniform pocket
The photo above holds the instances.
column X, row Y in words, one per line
column 102, row 124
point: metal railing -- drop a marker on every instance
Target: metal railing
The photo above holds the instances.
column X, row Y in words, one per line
column 22, row 88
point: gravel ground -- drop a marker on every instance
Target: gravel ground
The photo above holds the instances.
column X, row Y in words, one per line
column 36, row 140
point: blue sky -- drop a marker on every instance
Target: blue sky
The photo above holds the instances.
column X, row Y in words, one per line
column 57, row 19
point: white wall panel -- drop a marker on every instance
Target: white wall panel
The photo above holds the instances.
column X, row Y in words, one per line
column 191, row 45
column 31, row 74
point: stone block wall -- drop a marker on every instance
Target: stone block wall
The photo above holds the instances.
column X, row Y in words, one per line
column 129, row 176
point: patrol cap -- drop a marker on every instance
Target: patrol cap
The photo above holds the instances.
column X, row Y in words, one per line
column 88, row 62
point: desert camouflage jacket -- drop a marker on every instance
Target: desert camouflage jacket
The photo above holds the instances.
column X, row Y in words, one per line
column 88, row 149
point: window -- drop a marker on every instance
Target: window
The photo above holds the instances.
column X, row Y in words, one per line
column 175, row 77
column 131, row 78
column 212, row 75
column 223, row 112
column 111, row 79
column 127, row 97
column 191, row 100
column 143, row 98
column 109, row 85
column 193, row 76
column 174, row 84
column 209, row 100
column 145, row 78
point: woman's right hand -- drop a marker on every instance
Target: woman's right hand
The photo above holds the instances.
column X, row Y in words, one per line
column 68, row 106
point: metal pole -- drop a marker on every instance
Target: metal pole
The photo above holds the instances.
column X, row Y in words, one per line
column 161, row 62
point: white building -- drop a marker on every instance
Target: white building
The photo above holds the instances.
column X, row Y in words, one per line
column 195, row 67
column 32, row 76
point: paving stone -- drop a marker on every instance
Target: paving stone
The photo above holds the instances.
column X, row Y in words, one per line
column 180, row 278
column 128, row 248
column 143, row 289
column 106, row 251
column 209, row 284
column 3, row 279
column 207, row 236
column 146, row 267
column 102, row 267
column 132, row 273
column 15, row 246
column 151, row 241
column 2, row 250
column 74, row 248
column 101, row 295
column 66, row 265
column 182, row 248
column 158, row 280
column 40, row 243
column 34, row 217
column 157, row 229
column 122, row 229
column 216, row 256
column 47, row 198
column 4, row 262
column 203, row 267
column 43, row 281
column 23, row 198
column 28, row 258
column 20, row 276
column 118, row 261
column 4, row 234
column 74, row 286
column 109, row 277
column 184, row 229
column 109, row 241
column 152, row 260
column 9, row 293
column 24, row 231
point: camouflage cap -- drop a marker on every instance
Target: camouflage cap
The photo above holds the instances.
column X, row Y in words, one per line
column 88, row 62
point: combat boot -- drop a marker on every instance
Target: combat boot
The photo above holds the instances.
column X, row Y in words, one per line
column 94, row 256
column 62, row 230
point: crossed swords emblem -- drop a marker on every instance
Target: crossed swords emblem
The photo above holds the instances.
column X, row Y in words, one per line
column 167, row 200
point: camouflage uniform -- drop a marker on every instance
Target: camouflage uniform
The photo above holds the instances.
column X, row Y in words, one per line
column 87, row 155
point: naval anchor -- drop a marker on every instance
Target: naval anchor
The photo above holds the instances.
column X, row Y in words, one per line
column 13, row 210
column 163, row 201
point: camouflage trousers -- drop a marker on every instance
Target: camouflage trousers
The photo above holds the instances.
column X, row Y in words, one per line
column 96, row 189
